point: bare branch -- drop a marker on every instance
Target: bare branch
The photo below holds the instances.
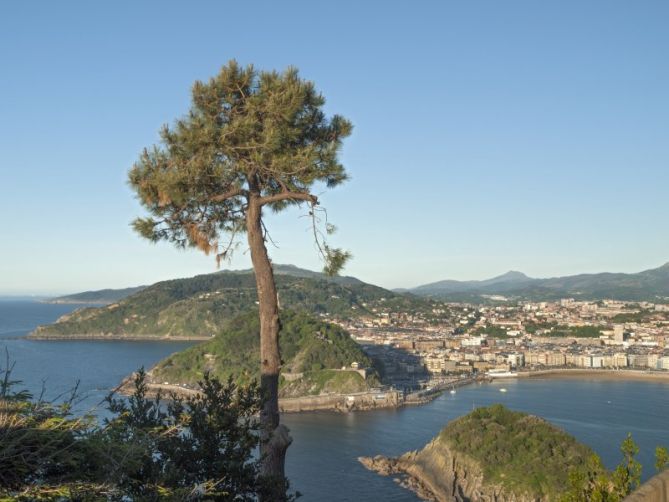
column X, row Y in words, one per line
column 318, row 235
column 286, row 195
column 227, row 195
column 225, row 253
column 266, row 236
column 334, row 258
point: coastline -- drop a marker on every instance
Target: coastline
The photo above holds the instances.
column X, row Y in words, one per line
column 93, row 303
column 366, row 401
column 118, row 338
column 337, row 403
column 596, row 374
column 403, row 476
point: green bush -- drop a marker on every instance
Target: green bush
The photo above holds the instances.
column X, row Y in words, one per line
column 199, row 448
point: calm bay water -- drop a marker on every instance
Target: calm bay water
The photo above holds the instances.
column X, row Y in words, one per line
column 98, row 365
column 322, row 462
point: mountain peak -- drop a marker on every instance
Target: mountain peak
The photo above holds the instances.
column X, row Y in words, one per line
column 662, row 270
column 295, row 271
column 513, row 275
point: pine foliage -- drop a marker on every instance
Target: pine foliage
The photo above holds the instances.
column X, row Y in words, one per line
column 248, row 133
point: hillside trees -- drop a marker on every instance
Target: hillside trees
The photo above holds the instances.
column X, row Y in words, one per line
column 251, row 142
column 597, row 484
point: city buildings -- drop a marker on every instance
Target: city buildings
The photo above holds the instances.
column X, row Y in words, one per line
column 465, row 338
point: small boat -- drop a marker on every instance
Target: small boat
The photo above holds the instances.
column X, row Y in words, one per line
column 502, row 389
column 452, row 391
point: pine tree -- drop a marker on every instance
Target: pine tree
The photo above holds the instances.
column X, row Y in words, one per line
column 251, row 142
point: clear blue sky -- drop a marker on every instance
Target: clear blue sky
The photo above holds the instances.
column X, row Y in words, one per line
column 488, row 135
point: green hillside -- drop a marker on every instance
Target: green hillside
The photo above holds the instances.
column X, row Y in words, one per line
column 310, row 347
column 199, row 306
column 521, row 452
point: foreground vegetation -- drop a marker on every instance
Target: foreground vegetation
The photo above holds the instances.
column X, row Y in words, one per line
column 200, row 448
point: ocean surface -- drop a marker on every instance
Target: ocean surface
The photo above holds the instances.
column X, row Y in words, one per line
column 322, row 462
column 56, row 366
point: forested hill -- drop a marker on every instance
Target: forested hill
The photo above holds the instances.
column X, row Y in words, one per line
column 107, row 296
column 494, row 453
column 199, row 306
column 523, row 453
column 313, row 352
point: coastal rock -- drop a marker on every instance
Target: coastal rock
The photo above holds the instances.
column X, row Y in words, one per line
column 436, row 473
column 380, row 464
column 463, row 463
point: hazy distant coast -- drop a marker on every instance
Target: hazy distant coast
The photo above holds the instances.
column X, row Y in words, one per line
column 67, row 301
column 99, row 297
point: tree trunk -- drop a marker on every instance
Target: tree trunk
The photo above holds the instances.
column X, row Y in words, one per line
column 274, row 437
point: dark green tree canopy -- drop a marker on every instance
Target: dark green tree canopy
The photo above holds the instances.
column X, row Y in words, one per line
column 249, row 137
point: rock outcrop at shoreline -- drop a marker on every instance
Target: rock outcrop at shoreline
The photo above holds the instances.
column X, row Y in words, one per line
column 491, row 455
column 437, row 473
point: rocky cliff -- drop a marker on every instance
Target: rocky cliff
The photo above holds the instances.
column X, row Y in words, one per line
column 437, row 473
column 490, row 455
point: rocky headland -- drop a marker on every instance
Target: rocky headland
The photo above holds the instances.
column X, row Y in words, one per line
column 491, row 455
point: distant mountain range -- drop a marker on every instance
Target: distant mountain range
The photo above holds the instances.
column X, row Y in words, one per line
column 99, row 297
column 107, row 296
column 649, row 285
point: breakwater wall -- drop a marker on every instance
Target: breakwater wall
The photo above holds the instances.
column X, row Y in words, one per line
column 388, row 398
column 327, row 402
column 342, row 402
column 427, row 395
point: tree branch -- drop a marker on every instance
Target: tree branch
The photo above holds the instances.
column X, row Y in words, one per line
column 287, row 195
column 227, row 195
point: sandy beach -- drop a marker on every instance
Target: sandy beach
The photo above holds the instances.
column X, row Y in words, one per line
column 595, row 374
